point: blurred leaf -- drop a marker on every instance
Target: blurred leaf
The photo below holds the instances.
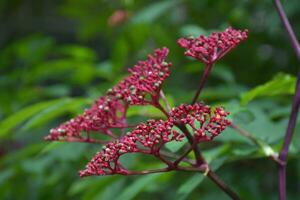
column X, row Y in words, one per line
column 77, row 52
column 5, row 174
column 49, row 147
column 192, row 30
column 147, row 111
column 133, row 189
column 188, row 186
column 119, row 54
column 22, row 115
column 112, row 190
column 46, row 115
column 281, row 84
column 105, row 70
column 153, row 11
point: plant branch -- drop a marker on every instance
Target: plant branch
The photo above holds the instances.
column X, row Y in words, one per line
column 199, row 158
column 202, row 82
column 222, row 185
column 161, row 108
column 152, row 171
column 266, row 148
column 295, row 104
column 184, row 154
column 171, row 155
column 213, row 177
column 288, row 28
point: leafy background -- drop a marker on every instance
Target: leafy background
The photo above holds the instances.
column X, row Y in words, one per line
column 56, row 57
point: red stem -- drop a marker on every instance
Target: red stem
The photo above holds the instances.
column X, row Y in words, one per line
column 202, row 81
column 283, row 155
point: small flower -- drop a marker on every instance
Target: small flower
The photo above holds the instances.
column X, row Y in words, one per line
column 214, row 47
column 205, row 123
column 107, row 112
column 145, row 80
column 146, row 138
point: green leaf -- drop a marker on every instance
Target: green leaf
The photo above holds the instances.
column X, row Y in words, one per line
column 192, row 29
column 188, row 187
column 64, row 106
column 77, row 52
column 132, row 190
column 152, row 12
column 281, row 84
column 191, row 184
column 147, row 111
column 24, row 114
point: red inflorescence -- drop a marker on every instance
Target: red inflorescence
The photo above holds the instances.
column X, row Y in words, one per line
column 145, row 80
column 154, row 134
column 107, row 112
column 150, row 137
column 147, row 138
column 205, row 123
column 212, row 48
column 106, row 162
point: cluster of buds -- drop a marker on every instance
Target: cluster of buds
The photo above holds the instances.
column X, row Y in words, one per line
column 150, row 137
column 205, row 123
column 147, row 138
column 154, row 134
column 210, row 49
column 145, row 80
column 107, row 112
column 106, row 162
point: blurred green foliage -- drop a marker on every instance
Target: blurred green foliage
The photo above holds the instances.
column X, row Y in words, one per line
column 56, row 57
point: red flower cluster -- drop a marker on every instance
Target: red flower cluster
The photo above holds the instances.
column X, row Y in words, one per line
column 146, row 79
column 205, row 123
column 147, row 138
column 212, row 48
column 107, row 112
column 106, row 162
column 150, row 137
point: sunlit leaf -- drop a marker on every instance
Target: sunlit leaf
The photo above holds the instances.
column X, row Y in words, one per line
column 281, row 84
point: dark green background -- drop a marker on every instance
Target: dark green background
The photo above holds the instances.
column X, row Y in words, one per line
column 56, row 57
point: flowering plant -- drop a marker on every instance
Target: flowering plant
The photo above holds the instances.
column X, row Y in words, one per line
column 196, row 122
